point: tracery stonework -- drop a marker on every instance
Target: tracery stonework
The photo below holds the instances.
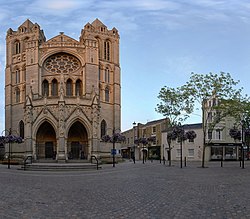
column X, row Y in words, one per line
column 62, row 63
column 55, row 87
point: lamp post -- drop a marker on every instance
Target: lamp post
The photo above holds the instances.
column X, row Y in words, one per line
column 134, row 124
column 179, row 133
column 242, row 143
column 10, row 138
column 9, row 150
column 116, row 137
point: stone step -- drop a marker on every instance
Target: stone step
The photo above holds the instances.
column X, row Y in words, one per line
column 59, row 166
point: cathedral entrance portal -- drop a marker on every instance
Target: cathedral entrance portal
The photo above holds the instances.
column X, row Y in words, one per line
column 46, row 142
column 77, row 141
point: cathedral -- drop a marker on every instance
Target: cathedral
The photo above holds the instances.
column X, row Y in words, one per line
column 62, row 95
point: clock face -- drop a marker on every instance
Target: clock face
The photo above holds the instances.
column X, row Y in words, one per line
column 62, row 63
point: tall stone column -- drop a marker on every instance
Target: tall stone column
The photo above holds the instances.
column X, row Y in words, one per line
column 28, row 129
column 61, row 108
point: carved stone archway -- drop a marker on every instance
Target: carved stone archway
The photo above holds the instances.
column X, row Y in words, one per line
column 77, row 141
column 46, row 145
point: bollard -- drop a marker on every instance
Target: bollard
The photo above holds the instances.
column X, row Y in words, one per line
column 185, row 161
column 221, row 162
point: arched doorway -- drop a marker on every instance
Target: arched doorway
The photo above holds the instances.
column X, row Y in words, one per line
column 46, row 142
column 77, row 141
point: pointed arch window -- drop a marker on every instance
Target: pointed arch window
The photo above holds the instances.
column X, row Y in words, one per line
column 17, row 47
column 103, row 128
column 78, row 87
column 106, row 94
column 54, row 88
column 99, row 74
column 107, row 50
column 69, row 87
column 107, row 75
column 17, row 76
column 21, row 129
column 17, row 95
column 45, row 88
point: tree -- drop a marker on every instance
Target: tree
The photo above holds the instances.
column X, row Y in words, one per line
column 176, row 106
column 179, row 133
column 178, row 103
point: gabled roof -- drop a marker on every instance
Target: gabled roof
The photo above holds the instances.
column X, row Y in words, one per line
column 97, row 23
column 28, row 24
column 62, row 38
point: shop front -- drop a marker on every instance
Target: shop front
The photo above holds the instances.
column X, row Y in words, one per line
column 225, row 151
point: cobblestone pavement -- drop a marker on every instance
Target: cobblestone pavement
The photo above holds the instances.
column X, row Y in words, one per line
column 150, row 190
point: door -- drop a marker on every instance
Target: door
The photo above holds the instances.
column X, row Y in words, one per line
column 49, row 150
column 75, row 149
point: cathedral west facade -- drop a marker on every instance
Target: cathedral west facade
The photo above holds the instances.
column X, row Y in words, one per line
column 62, row 95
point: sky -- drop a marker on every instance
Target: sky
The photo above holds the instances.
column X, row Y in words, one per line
column 161, row 42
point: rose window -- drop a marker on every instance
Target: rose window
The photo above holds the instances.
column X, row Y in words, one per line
column 62, row 63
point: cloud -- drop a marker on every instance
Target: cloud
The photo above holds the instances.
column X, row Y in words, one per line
column 57, row 7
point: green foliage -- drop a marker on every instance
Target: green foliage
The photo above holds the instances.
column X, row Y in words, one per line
column 201, row 87
column 175, row 104
column 178, row 103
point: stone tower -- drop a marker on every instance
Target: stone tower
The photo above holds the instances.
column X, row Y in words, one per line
column 62, row 95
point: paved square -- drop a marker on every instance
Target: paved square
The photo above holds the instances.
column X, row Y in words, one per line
column 129, row 190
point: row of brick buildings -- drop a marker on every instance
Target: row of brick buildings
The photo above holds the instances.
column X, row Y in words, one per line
column 220, row 145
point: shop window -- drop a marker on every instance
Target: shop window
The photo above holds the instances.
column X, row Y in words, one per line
column 216, row 153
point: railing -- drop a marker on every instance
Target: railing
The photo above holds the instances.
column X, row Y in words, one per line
column 25, row 161
column 6, row 154
column 97, row 161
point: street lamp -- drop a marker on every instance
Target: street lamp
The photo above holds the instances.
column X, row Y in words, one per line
column 9, row 139
column 134, row 124
column 179, row 133
column 242, row 143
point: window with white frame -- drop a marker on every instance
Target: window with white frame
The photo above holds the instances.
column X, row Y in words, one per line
column 190, row 152
column 178, row 152
column 218, row 134
column 154, row 129
column 209, row 116
column 210, row 134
